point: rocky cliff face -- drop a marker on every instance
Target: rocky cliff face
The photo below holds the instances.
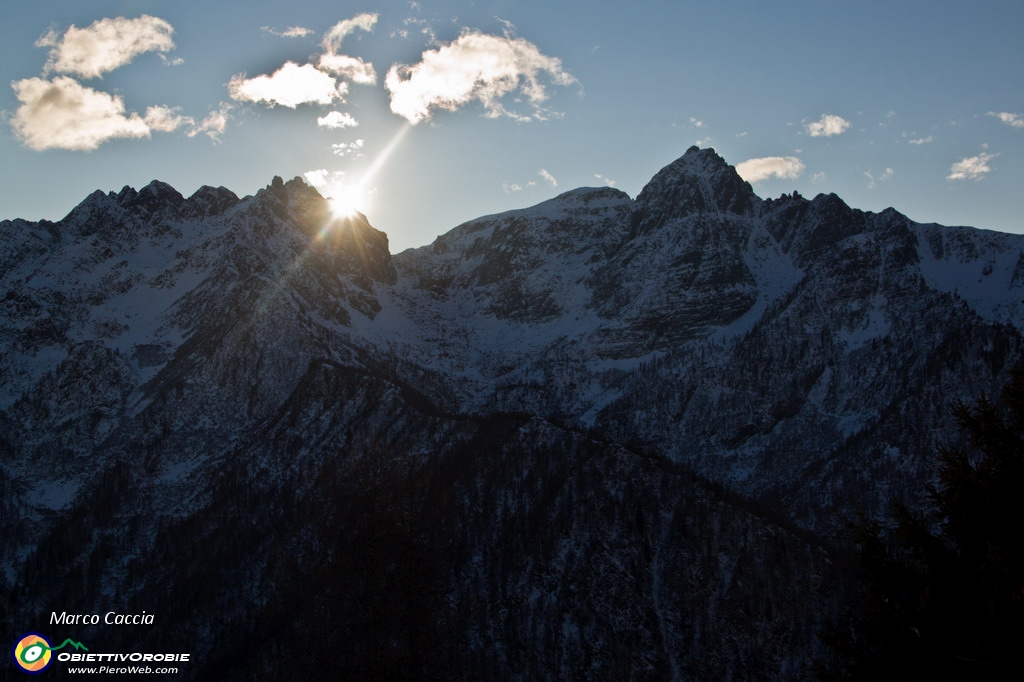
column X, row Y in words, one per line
column 599, row 436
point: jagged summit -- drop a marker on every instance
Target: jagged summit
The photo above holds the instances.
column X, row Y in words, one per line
column 155, row 199
column 293, row 198
column 699, row 181
column 210, row 201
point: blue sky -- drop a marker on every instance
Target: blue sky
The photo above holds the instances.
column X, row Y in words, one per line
column 429, row 113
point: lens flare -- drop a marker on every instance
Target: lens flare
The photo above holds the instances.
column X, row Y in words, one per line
column 348, row 200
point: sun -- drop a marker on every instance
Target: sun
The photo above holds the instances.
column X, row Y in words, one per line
column 344, row 204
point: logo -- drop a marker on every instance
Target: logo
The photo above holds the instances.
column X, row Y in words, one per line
column 32, row 653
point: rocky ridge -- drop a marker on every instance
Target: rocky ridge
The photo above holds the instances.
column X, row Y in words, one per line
column 599, row 434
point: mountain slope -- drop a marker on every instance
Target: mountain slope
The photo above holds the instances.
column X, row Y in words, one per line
column 598, row 436
column 765, row 343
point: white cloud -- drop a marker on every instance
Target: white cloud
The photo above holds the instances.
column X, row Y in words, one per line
column 105, row 44
column 873, row 181
column 516, row 187
column 316, row 178
column 322, row 82
column 353, row 68
column 424, row 27
column 289, row 86
column 828, row 125
column 696, row 122
column 333, row 38
column 322, row 178
column 1013, row 120
column 214, row 124
column 337, row 119
column 971, row 168
column 922, row 140
column 64, row 114
column 343, row 66
column 756, row 170
column 166, row 119
column 177, row 61
column 475, row 66
column 607, row 181
column 290, row 32
column 348, row 148
column 818, row 177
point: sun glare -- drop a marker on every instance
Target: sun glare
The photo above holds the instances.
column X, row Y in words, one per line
column 343, row 205
column 348, row 200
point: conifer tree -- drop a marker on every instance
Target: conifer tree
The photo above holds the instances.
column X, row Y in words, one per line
column 943, row 595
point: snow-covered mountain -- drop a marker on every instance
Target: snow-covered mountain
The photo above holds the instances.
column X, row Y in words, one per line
column 790, row 348
column 600, row 436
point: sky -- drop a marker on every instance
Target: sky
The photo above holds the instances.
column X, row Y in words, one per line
column 426, row 114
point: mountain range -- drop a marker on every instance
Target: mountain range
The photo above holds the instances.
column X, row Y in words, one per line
column 602, row 437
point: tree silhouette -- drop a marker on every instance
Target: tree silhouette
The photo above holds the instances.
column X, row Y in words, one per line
column 943, row 595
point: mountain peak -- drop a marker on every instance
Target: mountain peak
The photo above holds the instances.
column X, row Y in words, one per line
column 208, row 201
column 707, row 153
column 157, row 197
column 698, row 181
column 350, row 244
